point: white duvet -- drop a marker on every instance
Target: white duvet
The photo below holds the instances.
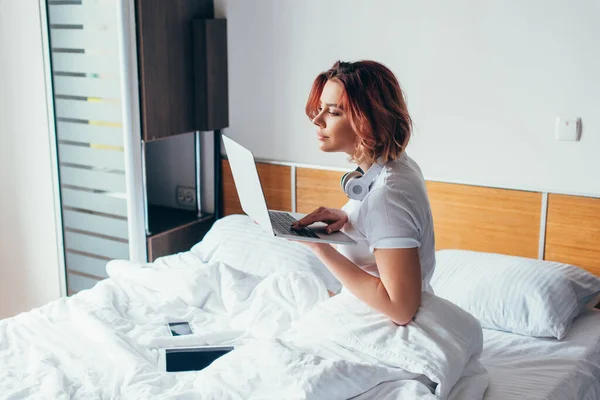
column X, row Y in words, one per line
column 293, row 342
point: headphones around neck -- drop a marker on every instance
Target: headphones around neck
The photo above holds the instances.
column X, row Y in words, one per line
column 356, row 185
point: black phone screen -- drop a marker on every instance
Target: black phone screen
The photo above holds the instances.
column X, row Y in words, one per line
column 180, row 328
column 192, row 359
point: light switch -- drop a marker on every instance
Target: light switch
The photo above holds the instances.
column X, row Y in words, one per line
column 568, row 128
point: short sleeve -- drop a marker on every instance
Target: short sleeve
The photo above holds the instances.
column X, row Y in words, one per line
column 389, row 220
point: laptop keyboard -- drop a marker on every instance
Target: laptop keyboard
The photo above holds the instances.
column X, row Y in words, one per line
column 282, row 222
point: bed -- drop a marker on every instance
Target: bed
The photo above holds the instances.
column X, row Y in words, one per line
column 270, row 298
column 531, row 224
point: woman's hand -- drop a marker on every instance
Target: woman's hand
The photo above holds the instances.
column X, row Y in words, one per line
column 333, row 217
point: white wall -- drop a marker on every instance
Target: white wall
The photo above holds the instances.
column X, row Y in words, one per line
column 485, row 81
column 29, row 266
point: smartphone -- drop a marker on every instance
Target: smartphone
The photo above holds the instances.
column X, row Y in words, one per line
column 193, row 358
column 180, row 328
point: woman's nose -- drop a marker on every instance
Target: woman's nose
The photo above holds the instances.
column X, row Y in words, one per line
column 319, row 121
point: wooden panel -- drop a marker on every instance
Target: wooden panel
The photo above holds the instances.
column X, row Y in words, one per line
column 166, row 63
column 210, row 63
column 275, row 181
column 485, row 219
column 179, row 239
column 316, row 188
column 573, row 231
column 231, row 201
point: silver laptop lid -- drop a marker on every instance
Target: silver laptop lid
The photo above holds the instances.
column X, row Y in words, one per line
column 247, row 183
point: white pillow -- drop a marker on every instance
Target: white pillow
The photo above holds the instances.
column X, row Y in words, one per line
column 240, row 243
column 515, row 294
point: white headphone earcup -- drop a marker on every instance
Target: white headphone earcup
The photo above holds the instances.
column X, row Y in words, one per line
column 357, row 189
column 347, row 177
column 354, row 186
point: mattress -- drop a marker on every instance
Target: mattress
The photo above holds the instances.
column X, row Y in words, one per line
column 522, row 367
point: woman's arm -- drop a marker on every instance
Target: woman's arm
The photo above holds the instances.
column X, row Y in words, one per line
column 397, row 293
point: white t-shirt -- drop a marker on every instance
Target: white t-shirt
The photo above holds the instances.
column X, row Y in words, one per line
column 394, row 214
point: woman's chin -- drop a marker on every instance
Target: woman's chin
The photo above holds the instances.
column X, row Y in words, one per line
column 326, row 147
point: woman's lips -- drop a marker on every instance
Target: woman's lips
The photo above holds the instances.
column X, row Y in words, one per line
column 320, row 136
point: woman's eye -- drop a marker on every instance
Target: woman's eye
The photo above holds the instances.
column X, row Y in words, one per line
column 329, row 111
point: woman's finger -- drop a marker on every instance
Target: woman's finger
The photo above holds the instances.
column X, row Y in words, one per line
column 305, row 221
column 336, row 226
column 311, row 218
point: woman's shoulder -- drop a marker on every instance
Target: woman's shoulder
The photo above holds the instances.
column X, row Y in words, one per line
column 403, row 176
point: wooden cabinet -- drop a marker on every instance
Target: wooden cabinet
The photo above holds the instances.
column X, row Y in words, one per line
column 182, row 62
column 210, row 60
column 177, row 238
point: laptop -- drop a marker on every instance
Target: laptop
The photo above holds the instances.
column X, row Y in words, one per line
column 252, row 199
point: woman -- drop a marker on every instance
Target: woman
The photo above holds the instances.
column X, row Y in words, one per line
column 359, row 109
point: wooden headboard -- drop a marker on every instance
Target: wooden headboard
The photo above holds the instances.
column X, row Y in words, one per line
column 523, row 223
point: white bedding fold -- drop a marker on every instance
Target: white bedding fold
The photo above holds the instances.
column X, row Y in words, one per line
column 293, row 341
column 342, row 349
column 438, row 344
